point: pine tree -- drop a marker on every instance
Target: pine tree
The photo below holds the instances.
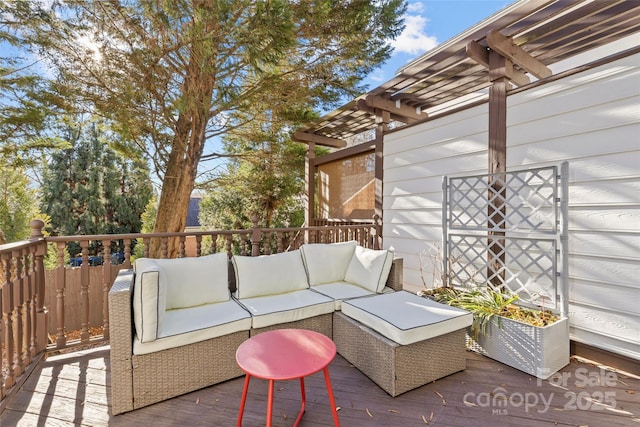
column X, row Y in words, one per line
column 89, row 189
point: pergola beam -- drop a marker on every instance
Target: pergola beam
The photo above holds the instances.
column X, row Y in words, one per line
column 362, row 106
column 505, row 47
column 480, row 54
column 395, row 107
column 318, row 139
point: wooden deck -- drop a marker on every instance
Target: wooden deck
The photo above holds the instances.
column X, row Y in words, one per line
column 74, row 389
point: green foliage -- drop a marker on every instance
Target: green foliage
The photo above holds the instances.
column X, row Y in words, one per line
column 27, row 102
column 170, row 74
column 148, row 218
column 265, row 181
column 89, row 189
column 18, row 204
column 486, row 302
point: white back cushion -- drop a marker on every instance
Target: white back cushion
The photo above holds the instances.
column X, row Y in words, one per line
column 149, row 292
column 269, row 274
column 327, row 262
column 195, row 281
column 369, row 268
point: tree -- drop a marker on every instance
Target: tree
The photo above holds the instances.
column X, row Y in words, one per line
column 18, row 204
column 263, row 180
column 89, row 189
column 27, row 103
column 172, row 74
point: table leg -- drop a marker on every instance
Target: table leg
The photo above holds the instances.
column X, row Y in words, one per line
column 244, row 398
column 303, row 396
column 336, row 422
column 270, row 403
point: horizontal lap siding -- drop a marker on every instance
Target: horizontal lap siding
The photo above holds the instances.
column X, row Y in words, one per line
column 591, row 120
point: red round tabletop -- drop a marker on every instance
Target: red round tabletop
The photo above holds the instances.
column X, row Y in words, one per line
column 285, row 354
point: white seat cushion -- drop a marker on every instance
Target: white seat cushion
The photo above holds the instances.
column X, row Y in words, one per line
column 369, row 268
column 188, row 325
column 406, row 318
column 166, row 284
column 269, row 274
column 340, row 291
column 288, row 307
column 327, row 262
column 195, row 281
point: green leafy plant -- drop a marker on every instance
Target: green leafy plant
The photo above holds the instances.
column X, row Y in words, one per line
column 486, row 302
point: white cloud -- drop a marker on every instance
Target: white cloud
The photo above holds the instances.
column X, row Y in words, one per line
column 414, row 40
column 377, row 76
column 414, row 8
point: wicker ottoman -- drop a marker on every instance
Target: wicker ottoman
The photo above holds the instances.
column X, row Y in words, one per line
column 401, row 341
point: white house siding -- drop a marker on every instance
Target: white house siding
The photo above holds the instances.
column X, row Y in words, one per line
column 591, row 120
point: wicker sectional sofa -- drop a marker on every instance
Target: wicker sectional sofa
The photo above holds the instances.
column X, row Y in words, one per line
column 175, row 324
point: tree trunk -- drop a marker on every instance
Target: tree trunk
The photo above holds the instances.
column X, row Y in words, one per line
column 187, row 146
column 174, row 203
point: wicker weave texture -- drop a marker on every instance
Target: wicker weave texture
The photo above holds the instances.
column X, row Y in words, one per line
column 395, row 279
column 322, row 324
column 398, row 368
column 138, row 381
column 142, row 380
column 121, row 341
column 179, row 370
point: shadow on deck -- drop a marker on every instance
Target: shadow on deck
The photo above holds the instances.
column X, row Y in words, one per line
column 74, row 389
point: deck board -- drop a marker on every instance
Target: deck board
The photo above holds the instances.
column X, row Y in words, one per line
column 74, row 389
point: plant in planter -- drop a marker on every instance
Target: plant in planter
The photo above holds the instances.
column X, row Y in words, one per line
column 535, row 341
column 487, row 303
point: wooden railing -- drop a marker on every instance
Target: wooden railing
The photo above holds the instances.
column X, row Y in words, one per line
column 67, row 307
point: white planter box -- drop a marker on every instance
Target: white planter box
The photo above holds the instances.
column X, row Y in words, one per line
column 538, row 351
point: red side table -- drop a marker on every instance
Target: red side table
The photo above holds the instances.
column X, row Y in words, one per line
column 286, row 354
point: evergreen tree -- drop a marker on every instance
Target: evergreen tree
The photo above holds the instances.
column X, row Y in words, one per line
column 18, row 204
column 264, row 179
column 89, row 189
column 27, row 102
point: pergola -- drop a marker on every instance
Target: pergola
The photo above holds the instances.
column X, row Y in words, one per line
column 505, row 53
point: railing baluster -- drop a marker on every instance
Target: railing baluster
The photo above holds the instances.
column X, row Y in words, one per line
column 40, row 323
column 267, row 244
column 127, row 253
column 61, row 339
column 31, row 302
column 181, row 247
column 147, row 245
column 106, row 286
column 84, row 292
column 7, row 314
column 280, row 242
column 198, row 245
column 229, row 237
column 214, row 243
column 256, row 237
column 164, row 244
column 18, row 295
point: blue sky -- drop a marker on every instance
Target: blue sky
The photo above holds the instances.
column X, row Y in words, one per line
column 430, row 23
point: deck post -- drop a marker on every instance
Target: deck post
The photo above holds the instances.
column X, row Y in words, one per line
column 497, row 164
column 41, row 326
column 383, row 118
column 256, row 237
column 310, row 179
